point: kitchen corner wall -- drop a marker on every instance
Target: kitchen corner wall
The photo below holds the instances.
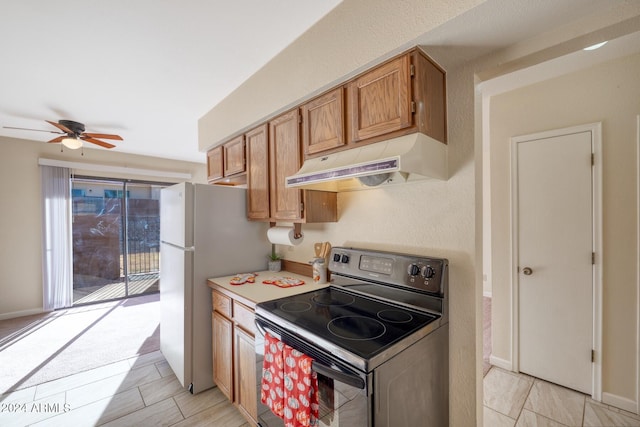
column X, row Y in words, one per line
column 607, row 93
column 430, row 218
column 21, row 217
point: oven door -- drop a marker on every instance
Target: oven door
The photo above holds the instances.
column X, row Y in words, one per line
column 343, row 394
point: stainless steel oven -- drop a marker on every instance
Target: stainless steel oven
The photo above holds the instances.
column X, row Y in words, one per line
column 378, row 337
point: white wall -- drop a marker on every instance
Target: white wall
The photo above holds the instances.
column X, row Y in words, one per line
column 609, row 93
column 21, row 217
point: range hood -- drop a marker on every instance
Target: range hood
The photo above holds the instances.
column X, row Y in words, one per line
column 407, row 158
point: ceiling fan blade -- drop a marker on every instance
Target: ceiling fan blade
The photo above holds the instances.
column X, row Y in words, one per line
column 97, row 142
column 38, row 130
column 63, row 128
column 103, row 136
column 58, row 139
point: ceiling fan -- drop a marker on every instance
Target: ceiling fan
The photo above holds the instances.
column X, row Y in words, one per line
column 73, row 134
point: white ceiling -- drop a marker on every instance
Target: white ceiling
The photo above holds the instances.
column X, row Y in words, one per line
column 148, row 70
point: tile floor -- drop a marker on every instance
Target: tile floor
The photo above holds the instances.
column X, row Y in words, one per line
column 512, row 399
column 141, row 391
column 518, row 400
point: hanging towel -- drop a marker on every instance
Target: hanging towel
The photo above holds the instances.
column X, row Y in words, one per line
column 271, row 391
column 300, row 390
column 289, row 386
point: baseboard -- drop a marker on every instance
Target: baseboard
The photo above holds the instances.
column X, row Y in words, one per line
column 500, row 363
column 620, row 402
column 487, row 294
column 14, row 314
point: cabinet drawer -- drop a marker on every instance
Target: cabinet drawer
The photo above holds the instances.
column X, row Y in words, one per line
column 221, row 303
column 244, row 317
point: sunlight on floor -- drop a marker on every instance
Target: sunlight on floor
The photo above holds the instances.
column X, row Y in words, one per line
column 77, row 339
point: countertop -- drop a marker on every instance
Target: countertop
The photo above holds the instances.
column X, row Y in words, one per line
column 254, row 293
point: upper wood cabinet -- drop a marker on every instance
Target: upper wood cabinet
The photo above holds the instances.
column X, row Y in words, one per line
column 429, row 97
column 380, row 100
column 404, row 95
column 226, row 163
column 284, row 160
column 234, row 156
column 323, row 122
column 215, row 169
column 273, row 153
column 257, row 140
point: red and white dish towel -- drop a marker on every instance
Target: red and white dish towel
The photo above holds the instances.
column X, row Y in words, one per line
column 289, row 385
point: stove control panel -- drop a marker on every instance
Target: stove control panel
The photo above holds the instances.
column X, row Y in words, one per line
column 423, row 273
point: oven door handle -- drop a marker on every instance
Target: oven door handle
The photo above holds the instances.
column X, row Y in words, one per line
column 344, row 377
column 259, row 327
column 340, row 376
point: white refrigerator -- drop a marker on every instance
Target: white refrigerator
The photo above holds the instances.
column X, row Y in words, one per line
column 204, row 233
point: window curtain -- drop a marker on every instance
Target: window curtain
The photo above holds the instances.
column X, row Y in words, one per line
column 57, row 245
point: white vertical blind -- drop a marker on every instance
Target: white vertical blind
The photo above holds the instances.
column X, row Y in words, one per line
column 57, row 238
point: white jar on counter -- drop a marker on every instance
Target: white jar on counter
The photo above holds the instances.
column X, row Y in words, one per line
column 319, row 271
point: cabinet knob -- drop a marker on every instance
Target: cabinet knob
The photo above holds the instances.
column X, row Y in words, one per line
column 527, row 271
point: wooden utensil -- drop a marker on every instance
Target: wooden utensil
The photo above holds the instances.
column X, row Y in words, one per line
column 317, row 247
column 326, row 249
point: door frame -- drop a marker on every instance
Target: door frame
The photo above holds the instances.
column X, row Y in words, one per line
column 596, row 185
column 637, row 403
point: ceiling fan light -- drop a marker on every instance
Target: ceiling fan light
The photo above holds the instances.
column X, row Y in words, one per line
column 72, row 143
column 595, row 46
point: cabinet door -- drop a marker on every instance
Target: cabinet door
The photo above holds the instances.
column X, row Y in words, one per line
column 214, row 164
column 258, row 173
column 284, row 160
column 234, row 156
column 380, row 100
column 223, row 353
column 430, row 97
column 245, row 373
column 323, row 122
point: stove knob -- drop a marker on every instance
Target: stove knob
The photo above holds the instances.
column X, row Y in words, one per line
column 345, row 259
column 413, row 270
column 336, row 257
column 428, row 272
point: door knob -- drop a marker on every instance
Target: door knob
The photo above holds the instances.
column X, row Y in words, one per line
column 527, row 271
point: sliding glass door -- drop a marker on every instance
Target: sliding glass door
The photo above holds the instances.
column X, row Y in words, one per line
column 116, row 237
column 142, row 244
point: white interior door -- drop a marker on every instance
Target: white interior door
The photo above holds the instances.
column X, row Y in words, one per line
column 554, row 213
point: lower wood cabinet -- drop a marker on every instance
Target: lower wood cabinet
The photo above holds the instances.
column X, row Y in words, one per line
column 223, row 353
column 245, row 373
column 234, row 358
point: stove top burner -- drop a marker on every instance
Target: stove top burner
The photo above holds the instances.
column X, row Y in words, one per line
column 356, row 328
column 333, row 299
column 395, row 316
column 362, row 325
column 295, row 306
